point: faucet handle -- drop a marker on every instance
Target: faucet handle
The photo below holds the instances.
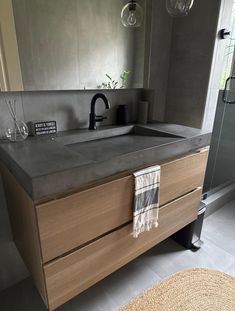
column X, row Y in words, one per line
column 100, row 118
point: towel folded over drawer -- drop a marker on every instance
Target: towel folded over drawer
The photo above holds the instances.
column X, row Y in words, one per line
column 146, row 201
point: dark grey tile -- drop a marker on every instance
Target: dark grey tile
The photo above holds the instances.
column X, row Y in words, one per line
column 131, row 280
column 24, row 297
column 192, row 46
column 185, row 106
column 107, row 295
column 21, row 297
column 219, row 228
column 12, row 268
column 170, row 257
column 95, row 298
column 115, row 290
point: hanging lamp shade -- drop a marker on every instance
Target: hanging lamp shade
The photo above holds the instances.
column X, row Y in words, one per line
column 132, row 14
column 177, row 8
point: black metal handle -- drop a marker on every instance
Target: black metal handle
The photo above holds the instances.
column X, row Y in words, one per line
column 226, row 89
column 224, row 33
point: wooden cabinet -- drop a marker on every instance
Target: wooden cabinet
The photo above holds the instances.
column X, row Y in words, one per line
column 71, row 243
column 77, row 271
column 74, row 220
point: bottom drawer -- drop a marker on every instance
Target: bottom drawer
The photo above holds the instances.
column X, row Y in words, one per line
column 72, row 274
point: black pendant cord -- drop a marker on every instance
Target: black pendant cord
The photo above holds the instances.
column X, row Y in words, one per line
column 132, row 5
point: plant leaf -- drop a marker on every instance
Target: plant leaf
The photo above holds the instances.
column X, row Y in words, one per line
column 108, row 76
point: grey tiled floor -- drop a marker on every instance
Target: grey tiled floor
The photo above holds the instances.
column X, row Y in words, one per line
column 218, row 252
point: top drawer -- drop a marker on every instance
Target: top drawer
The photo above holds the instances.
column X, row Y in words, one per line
column 182, row 175
column 67, row 223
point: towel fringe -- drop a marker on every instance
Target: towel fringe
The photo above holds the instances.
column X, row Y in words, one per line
column 146, row 203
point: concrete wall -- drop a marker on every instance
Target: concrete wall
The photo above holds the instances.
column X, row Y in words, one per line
column 69, row 108
column 192, row 48
column 159, row 58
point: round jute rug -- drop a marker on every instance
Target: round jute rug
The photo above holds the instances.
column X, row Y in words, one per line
column 189, row 290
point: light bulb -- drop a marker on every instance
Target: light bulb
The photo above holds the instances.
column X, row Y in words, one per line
column 132, row 14
column 177, row 8
column 131, row 18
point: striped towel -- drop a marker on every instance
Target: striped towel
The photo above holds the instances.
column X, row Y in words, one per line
column 146, row 201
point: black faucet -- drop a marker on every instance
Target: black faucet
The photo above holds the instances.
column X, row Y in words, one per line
column 93, row 117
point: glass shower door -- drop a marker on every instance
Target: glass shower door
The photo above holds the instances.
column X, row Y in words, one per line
column 221, row 164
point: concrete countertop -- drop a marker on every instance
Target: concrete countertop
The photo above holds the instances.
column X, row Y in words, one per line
column 47, row 166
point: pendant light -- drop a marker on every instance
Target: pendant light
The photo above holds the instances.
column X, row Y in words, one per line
column 132, row 14
column 177, row 8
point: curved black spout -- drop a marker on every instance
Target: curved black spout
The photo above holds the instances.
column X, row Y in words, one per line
column 93, row 117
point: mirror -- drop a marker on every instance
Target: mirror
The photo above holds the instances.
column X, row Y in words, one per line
column 78, row 44
column 229, row 91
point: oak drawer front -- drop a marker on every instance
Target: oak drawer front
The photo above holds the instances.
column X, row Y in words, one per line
column 66, row 223
column 180, row 176
column 68, row 276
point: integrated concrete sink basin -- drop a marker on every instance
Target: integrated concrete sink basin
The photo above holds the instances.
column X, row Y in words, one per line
column 104, row 145
column 105, row 149
column 84, row 135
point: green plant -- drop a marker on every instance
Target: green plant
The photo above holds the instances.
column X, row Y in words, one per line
column 113, row 84
column 123, row 77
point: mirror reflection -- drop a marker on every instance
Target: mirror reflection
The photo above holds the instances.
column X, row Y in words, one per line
column 78, row 44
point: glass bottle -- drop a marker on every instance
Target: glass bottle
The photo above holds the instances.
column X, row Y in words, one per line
column 17, row 130
column 177, row 8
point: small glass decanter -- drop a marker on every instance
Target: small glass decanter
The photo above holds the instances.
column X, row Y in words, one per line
column 177, row 8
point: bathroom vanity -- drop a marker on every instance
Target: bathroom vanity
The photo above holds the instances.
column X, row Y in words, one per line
column 70, row 199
